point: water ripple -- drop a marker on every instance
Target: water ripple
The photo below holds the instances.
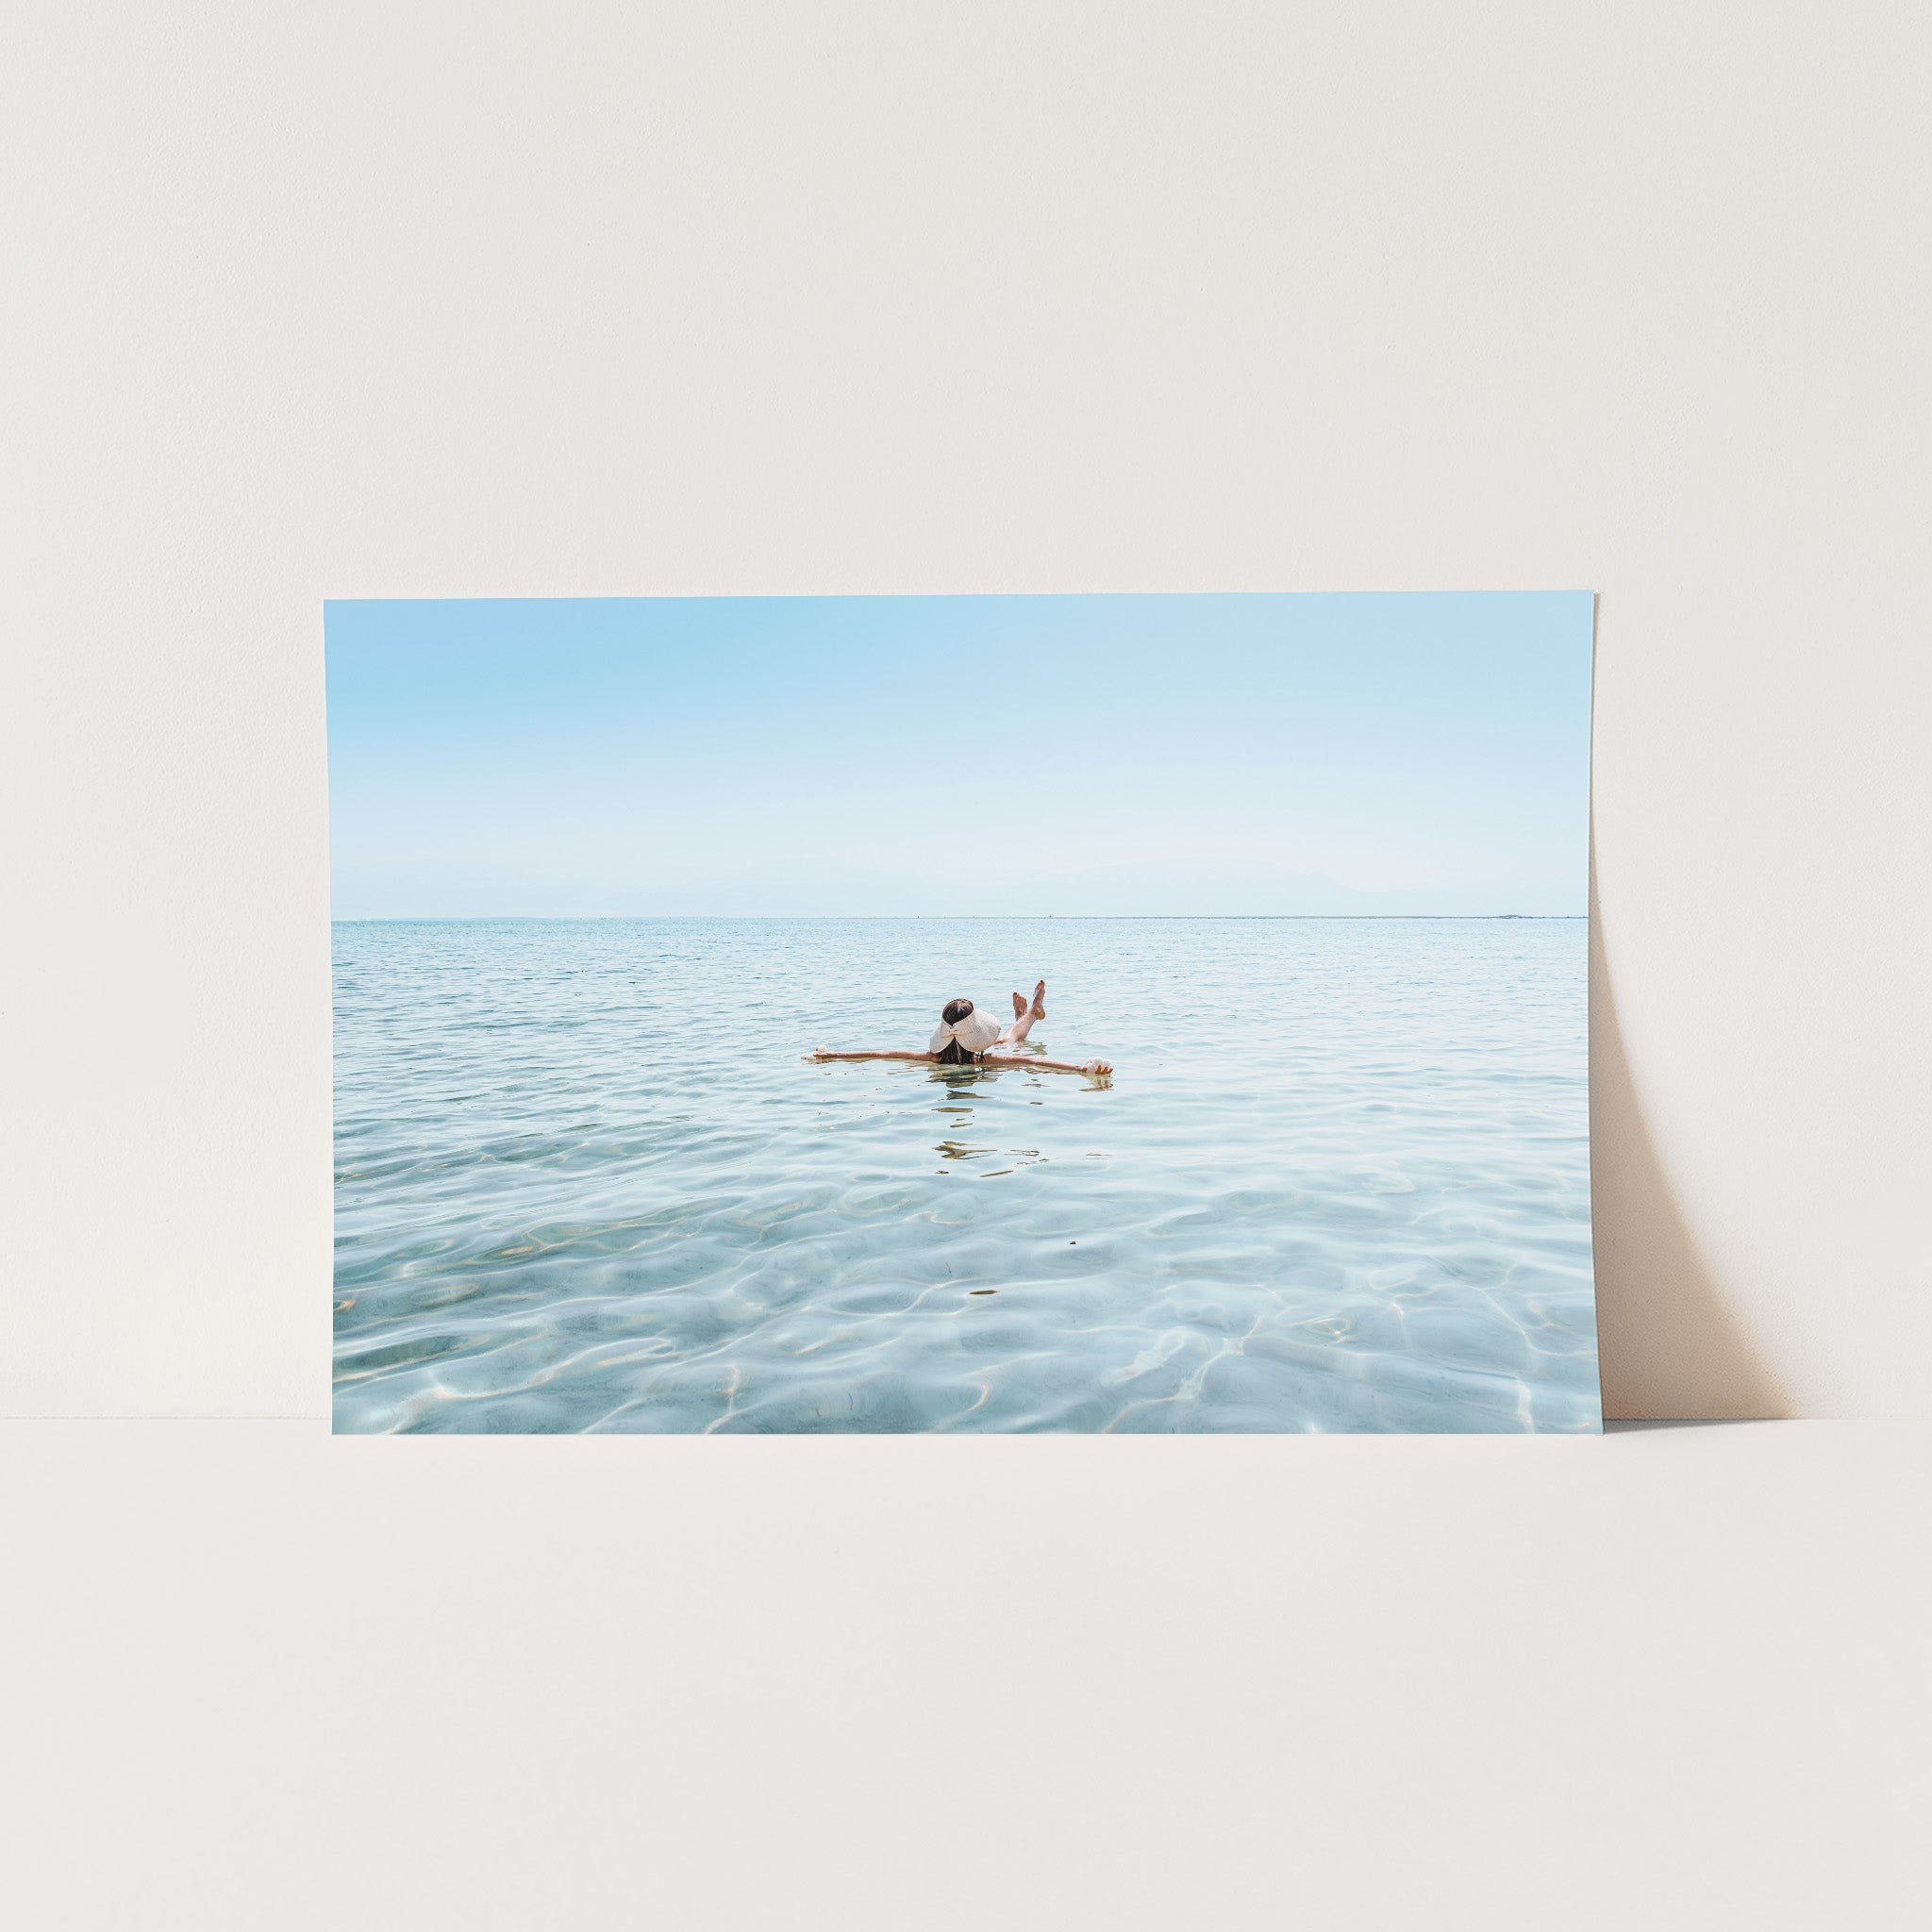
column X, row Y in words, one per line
column 585, row 1180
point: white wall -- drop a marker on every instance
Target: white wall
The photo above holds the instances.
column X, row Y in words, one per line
column 552, row 300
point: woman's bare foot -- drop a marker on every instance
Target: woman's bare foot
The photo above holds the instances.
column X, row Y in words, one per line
column 1038, row 1001
column 1019, row 1007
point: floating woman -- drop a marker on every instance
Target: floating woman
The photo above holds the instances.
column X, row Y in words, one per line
column 968, row 1038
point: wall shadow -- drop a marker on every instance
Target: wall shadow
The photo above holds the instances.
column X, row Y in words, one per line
column 1668, row 1345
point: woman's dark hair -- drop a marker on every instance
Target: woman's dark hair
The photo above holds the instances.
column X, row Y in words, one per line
column 952, row 1054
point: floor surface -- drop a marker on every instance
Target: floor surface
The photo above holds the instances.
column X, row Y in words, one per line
column 1675, row 1676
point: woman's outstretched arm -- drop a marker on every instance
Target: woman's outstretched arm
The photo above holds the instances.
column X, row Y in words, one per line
column 884, row 1054
column 1031, row 1059
column 986, row 1059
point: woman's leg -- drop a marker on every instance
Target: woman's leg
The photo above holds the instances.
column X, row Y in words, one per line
column 1023, row 1016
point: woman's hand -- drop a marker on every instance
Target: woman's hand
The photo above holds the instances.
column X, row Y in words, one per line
column 1098, row 1067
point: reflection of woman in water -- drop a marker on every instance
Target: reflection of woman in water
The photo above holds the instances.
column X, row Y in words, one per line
column 968, row 1038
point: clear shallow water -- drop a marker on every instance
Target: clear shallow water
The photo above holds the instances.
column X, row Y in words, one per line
column 1339, row 1180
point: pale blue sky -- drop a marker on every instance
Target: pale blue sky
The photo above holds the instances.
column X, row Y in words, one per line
column 1239, row 754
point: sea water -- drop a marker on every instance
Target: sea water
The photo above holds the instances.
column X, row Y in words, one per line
column 588, row 1180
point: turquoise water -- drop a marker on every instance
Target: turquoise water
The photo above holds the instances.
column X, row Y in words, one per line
column 1339, row 1181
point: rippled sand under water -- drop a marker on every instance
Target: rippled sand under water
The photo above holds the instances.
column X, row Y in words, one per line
column 1339, row 1180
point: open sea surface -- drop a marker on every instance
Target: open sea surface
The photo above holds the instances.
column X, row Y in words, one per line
column 586, row 1179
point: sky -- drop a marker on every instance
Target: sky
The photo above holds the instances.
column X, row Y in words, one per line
column 793, row 757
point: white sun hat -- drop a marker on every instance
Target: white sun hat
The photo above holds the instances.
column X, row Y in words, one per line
column 975, row 1033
